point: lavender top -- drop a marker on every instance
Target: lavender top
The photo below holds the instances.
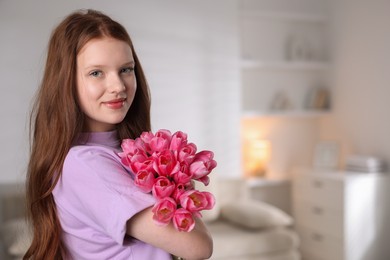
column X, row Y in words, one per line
column 95, row 197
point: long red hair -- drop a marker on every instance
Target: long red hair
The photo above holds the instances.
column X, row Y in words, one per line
column 56, row 119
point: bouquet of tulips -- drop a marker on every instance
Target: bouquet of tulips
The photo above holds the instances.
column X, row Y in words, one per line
column 167, row 165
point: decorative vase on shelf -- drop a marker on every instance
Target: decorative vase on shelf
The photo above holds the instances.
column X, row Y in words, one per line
column 318, row 98
column 298, row 48
column 280, row 102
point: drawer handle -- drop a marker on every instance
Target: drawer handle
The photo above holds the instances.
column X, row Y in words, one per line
column 317, row 210
column 317, row 237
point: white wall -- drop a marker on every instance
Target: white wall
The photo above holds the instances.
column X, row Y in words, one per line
column 189, row 51
column 361, row 121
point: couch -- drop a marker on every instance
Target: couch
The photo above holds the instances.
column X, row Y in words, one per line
column 14, row 232
column 242, row 228
column 247, row 229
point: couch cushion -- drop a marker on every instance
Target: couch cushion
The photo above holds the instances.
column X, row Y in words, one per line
column 16, row 236
column 283, row 255
column 233, row 241
column 254, row 214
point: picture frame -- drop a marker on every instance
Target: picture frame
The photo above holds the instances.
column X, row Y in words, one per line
column 326, row 155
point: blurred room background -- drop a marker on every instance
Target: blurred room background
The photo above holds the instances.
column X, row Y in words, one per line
column 270, row 86
column 215, row 73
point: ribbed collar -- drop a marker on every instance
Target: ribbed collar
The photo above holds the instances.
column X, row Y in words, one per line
column 99, row 138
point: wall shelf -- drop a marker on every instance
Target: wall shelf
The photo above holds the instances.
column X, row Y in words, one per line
column 284, row 59
column 299, row 113
column 284, row 65
column 283, row 16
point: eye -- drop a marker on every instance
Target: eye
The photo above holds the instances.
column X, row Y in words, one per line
column 127, row 70
column 95, row 73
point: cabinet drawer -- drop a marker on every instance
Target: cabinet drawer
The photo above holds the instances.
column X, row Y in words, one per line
column 324, row 219
column 319, row 245
column 323, row 192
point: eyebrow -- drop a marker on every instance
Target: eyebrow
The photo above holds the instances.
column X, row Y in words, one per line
column 131, row 63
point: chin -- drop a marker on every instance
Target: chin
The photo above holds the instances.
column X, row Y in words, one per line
column 117, row 121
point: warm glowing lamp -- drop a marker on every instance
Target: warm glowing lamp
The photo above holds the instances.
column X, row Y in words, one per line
column 257, row 156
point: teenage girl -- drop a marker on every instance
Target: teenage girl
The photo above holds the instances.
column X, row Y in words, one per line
column 82, row 202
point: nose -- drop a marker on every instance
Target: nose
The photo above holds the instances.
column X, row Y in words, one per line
column 115, row 83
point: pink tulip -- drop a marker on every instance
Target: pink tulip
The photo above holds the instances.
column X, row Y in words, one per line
column 180, row 189
column 164, row 210
column 129, row 149
column 165, row 163
column 158, row 144
column 183, row 220
column 146, row 138
column 195, row 201
column 183, row 175
column 187, row 153
column 144, row 180
column 165, row 134
column 205, row 180
column 140, row 145
column 140, row 161
column 178, row 140
column 160, row 141
column 128, row 146
column 203, row 164
column 162, row 187
column 129, row 159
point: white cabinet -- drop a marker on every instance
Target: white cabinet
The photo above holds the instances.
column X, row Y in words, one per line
column 342, row 215
column 285, row 62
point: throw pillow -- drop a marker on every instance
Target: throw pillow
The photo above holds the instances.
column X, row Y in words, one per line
column 255, row 214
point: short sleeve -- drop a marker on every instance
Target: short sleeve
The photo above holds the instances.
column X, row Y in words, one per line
column 96, row 191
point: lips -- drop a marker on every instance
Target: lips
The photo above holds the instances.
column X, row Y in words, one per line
column 115, row 103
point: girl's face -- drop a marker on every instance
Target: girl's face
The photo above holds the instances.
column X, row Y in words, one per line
column 106, row 82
